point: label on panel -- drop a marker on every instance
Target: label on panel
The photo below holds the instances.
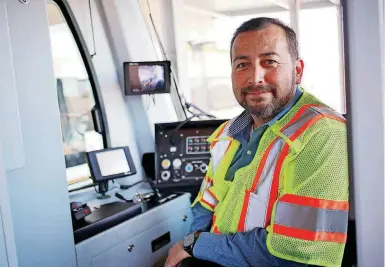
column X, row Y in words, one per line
column 10, row 134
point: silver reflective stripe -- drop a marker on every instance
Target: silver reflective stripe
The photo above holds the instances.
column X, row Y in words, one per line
column 220, row 147
column 266, row 179
column 310, row 218
column 326, row 110
column 204, row 185
column 218, row 152
column 256, row 212
column 258, row 201
column 305, row 117
column 209, row 198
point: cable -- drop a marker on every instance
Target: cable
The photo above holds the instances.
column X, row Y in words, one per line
column 182, row 124
column 92, row 29
column 165, row 58
column 125, row 186
column 188, row 105
column 181, row 99
column 179, row 96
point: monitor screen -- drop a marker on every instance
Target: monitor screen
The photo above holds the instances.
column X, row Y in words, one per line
column 110, row 163
column 151, row 77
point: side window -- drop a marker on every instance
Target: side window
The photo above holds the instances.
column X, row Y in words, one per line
column 207, row 31
column 78, row 101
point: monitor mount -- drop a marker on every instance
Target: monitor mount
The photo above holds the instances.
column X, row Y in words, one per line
column 103, row 188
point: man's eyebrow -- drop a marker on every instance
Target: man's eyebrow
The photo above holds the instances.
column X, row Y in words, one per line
column 240, row 58
column 266, row 54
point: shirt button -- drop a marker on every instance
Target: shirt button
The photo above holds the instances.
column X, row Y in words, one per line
column 249, row 152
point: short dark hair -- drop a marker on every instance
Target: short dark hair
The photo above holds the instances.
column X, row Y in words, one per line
column 256, row 24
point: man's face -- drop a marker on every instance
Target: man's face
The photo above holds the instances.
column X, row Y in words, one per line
column 264, row 75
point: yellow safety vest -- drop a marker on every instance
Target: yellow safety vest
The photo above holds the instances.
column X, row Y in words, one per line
column 296, row 186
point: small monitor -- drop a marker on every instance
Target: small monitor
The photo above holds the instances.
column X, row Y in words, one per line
column 149, row 77
column 111, row 163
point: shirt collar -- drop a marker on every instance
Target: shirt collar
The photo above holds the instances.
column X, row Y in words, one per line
column 244, row 120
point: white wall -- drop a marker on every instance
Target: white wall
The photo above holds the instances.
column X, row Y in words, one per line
column 38, row 190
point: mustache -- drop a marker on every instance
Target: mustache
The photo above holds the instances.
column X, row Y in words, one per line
column 262, row 88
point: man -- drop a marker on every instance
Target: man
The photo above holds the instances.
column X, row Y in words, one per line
column 276, row 192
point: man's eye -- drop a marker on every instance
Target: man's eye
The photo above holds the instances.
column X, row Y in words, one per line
column 241, row 65
column 271, row 63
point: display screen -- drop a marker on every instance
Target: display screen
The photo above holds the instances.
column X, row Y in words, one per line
column 112, row 162
column 147, row 77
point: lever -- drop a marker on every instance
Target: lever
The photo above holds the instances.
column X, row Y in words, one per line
column 122, row 198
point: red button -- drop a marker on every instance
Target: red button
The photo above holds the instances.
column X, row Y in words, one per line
column 86, row 211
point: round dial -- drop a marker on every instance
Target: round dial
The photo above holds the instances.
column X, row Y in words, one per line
column 165, row 175
column 189, row 168
column 177, row 163
column 203, row 168
column 166, row 163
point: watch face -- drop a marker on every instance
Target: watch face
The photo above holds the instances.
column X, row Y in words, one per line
column 188, row 240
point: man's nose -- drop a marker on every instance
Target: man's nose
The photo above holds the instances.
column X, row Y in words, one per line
column 257, row 75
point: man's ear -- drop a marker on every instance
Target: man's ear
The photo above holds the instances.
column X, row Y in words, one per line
column 299, row 66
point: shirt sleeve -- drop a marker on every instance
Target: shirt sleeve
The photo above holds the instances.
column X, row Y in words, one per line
column 240, row 249
column 202, row 218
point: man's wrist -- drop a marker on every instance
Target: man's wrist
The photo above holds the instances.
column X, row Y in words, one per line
column 190, row 240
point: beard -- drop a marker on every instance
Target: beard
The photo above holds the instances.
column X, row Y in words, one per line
column 272, row 108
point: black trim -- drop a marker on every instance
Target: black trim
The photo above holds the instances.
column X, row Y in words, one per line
column 81, row 44
column 96, row 173
column 100, row 124
column 167, row 77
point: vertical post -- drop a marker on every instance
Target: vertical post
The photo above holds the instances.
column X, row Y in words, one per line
column 342, row 56
column 363, row 35
column 294, row 8
column 178, row 15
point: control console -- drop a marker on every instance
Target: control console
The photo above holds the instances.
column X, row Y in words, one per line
column 182, row 152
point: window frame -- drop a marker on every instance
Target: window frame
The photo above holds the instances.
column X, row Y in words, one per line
column 98, row 112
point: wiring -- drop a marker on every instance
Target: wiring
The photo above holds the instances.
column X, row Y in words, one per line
column 172, row 141
column 185, row 105
column 92, row 29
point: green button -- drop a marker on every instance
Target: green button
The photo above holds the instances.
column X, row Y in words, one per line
column 249, row 152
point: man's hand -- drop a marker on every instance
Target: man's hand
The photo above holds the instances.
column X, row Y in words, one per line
column 176, row 254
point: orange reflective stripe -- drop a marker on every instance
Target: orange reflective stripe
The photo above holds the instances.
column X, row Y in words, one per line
column 306, row 116
column 281, row 159
column 335, row 118
column 274, row 187
column 208, row 179
column 214, row 228
column 241, row 224
column 306, row 126
column 207, row 203
column 309, row 235
column 212, row 194
column 228, row 146
column 219, row 133
column 299, row 113
column 314, row 202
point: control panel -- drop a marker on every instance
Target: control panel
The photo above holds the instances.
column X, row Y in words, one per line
column 182, row 152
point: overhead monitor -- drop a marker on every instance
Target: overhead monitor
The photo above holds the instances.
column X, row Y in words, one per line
column 149, row 77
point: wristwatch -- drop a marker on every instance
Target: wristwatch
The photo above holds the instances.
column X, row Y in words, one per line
column 189, row 241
